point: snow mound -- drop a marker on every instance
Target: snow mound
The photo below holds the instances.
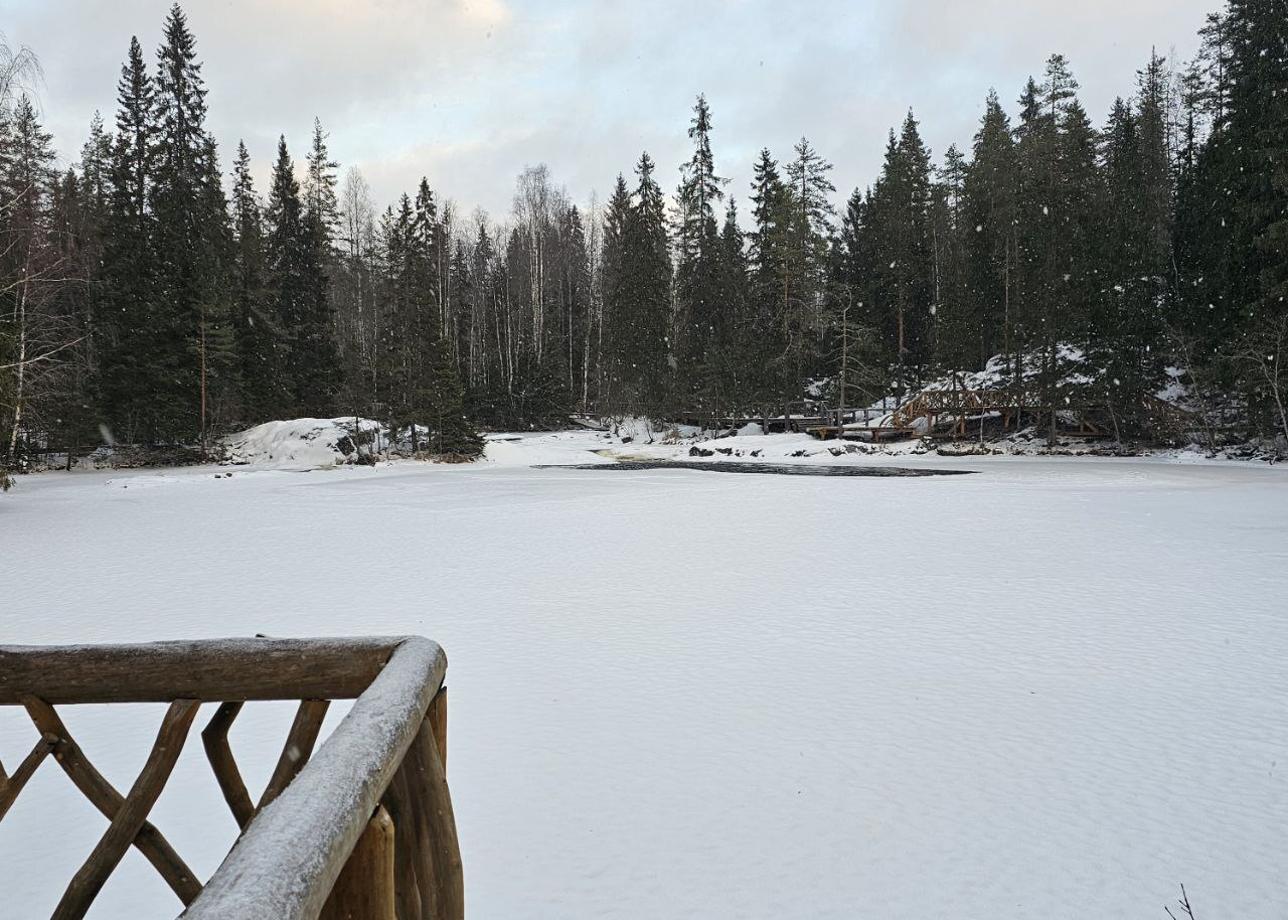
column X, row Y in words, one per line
column 302, row 443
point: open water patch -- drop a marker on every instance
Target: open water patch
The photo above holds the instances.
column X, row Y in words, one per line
column 779, row 469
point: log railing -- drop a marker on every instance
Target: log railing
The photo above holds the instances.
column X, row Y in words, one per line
column 361, row 829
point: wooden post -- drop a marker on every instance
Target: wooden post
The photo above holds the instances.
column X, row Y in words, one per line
column 427, row 852
column 437, row 717
column 365, row 888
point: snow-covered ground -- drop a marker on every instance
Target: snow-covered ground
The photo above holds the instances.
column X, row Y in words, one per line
column 1056, row 688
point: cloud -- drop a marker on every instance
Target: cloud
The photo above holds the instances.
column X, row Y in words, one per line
column 468, row 92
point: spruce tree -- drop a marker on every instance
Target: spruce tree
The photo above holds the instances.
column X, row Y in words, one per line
column 727, row 373
column 190, row 338
column 956, row 334
column 697, row 258
column 260, row 338
column 904, row 283
column 289, row 282
column 646, row 313
column 130, row 266
column 988, row 192
column 317, row 361
column 615, row 292
column 1255, row 147
column 809, row 230
column 767, row 255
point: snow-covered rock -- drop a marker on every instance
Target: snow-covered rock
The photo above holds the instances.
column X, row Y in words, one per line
column 303, row 443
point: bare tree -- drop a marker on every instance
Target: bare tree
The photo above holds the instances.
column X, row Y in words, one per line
column 19, row 71
column 1185, row 349
column 1261, row 354
column 356, row 317
column 1184, row 903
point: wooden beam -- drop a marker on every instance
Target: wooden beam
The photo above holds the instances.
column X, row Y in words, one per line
column 401, row 805
column 214, row 738
column 210, row 670
column 365, row 888
column 10, row 786
column 299, row 746
column 90, row 878
column 103, row 796
column 444, row 847
column 430, row 881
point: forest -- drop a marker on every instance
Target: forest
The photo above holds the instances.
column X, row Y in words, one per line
column 151, row 294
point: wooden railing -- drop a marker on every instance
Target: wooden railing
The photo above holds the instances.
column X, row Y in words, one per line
column 360, row 830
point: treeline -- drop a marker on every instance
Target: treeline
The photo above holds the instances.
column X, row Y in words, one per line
column 148, row 296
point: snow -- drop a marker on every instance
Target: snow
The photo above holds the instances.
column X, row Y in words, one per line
column 1055, row 687
column 298, row 444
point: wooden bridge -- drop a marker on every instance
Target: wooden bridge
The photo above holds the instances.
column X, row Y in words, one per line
column 926, row 410
column 360, row 830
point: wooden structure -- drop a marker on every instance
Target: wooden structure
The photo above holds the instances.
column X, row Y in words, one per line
column 361, row 829
column 927, row 410
column 791, row 417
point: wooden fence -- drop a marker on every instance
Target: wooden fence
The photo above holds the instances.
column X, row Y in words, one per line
column 361, row 829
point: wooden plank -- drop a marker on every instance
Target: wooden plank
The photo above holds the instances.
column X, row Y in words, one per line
column 10, row 786
column 127, row 823
column 299, row 745
column 214, row 738
column 209, row 670
column 103, row 796
column 365, row 888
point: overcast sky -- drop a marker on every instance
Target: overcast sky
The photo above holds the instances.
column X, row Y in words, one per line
column 468, row 92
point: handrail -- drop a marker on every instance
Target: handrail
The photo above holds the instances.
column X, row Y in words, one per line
column 374, row 793
column 210, row 670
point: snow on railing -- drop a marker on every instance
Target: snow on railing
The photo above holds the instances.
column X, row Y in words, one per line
column 363, row 828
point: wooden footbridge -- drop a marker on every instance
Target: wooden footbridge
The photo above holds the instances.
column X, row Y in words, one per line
column 361, row 829
column 927, row 412
column 948, row 413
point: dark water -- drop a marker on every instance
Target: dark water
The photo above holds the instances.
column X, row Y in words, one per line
column 781, row 469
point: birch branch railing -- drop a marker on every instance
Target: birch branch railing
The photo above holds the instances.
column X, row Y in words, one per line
column 360, row 830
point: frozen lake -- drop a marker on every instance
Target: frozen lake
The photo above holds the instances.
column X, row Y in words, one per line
column 1054, row 688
